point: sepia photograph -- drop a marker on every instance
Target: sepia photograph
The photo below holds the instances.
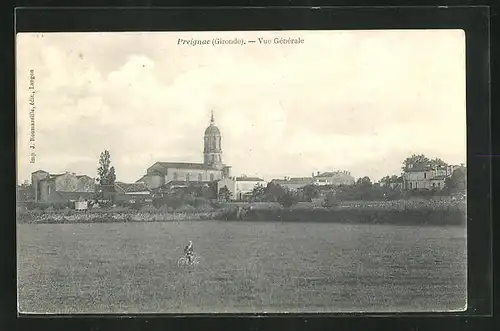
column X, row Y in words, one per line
column 241, row 172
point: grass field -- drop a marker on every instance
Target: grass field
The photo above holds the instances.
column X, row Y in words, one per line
column 245, row 267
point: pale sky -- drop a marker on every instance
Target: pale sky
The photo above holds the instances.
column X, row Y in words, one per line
column 343, row 100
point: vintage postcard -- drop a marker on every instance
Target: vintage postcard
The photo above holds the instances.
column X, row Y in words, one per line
column 241, row 172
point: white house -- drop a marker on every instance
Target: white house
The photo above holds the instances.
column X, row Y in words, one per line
column 240, row 186
column 422, row 177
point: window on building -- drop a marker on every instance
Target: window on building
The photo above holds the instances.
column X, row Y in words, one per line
column 175, row 176
column 411, row 186
column 200, row 177
column 187, row 177
column 211, row 177
column 439, row 185
column 433, row 184
column 425, row 175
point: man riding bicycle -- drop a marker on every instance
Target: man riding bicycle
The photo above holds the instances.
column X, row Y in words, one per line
column 189, row 251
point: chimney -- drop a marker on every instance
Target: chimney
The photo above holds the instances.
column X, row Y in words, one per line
column 318, row 173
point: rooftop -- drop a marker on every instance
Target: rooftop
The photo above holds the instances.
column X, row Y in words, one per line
column 185, row 165
column 185, row 183
column 52, row 176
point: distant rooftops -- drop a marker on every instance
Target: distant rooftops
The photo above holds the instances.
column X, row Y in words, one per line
column 51, row 176
column 185, row 165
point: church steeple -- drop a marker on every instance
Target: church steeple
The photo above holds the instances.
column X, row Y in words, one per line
column 212, row 151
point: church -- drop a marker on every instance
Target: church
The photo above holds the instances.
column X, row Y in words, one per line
column 178, row 174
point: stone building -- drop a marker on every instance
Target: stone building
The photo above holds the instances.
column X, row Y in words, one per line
column 212, row 169
column 60, row 187
column 240, row 186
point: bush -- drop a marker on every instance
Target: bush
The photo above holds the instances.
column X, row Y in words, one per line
column 186, row 209
column 288, row 199
column 164, row 209
column 137, row 205
column 331, row 200
column 147, row 209
column 119, row 209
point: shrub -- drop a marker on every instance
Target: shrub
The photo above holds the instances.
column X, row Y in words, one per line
column 164, row 209
column 288, row 199
column 119, row 209
column 205, row 208
column 147, row 209
column 186, row 209
column 137, row 205
column 331, row 200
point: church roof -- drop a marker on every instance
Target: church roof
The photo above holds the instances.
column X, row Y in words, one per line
column 142, row 179
column 186, row 165
column 212, row 130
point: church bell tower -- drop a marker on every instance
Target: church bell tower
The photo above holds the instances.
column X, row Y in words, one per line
column 212, row 151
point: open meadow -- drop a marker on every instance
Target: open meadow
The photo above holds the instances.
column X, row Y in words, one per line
column 244, row 267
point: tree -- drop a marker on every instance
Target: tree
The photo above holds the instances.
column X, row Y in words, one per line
column 420, row 160
column 364, row 181
column 288, row 199
column 457, row 182
column 437, row 163
column 310, row 192
column 225, row 194
column 331, row 200
column 274, row 191
column 385, row 181
column 106, row 175
column 258, row 193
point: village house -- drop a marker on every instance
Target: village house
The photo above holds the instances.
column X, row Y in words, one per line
column 240, row 186
column 335, row 178
column 425, row 177
column 65, row 187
